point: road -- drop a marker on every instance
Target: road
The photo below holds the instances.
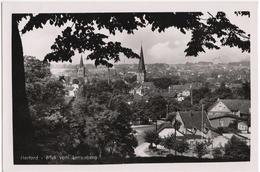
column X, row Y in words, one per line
column 140, row 132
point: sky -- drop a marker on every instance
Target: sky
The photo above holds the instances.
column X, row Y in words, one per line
column 166, row 47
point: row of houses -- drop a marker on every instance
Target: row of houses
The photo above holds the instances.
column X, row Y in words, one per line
column 232, row 116
column 178, row 91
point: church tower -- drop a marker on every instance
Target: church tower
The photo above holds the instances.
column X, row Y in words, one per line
column 81, row 69
column 141, row 74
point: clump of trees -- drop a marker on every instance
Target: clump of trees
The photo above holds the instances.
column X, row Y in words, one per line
column 237, row 149
column 171, row 143
column 150, row 109
column 96, row 123
column 152, row 137
column 201, row 149
column 103, row 118
column 218, row 152
column 49, row 112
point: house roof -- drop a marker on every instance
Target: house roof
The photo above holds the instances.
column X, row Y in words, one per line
column 192, row 136
column 164, row 125
column 228, row 115
column 188, row 86
column 237, row 105
column 193, row 119
column 241, row 105
column 169, row 131
column 179, row 87
column 166, row 129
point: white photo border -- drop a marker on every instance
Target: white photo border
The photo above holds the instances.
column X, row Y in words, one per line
column 8, row 8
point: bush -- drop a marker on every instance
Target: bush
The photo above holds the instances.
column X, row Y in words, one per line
column 152, row 137
column 170, row 117
column 200, row 149
column 218, row 152
column 169, row 142
column 237, row 149
column 181, row 146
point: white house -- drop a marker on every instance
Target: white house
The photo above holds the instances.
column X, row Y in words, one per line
column 73, row 90
column 143, row 88
column 225, row 111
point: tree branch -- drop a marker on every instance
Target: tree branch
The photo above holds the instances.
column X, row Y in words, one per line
column 210, row 14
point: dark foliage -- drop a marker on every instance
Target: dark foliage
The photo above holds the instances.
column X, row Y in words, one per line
column 81, row 35
column 237, row 149
column 201, row 149
column 152, row 137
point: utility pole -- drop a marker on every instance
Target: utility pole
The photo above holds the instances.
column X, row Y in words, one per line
column 167, row 109
column 202, row 110
column 191, row 98
column 108, row 79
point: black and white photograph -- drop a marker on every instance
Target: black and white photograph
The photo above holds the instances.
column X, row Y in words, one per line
column 132, row 87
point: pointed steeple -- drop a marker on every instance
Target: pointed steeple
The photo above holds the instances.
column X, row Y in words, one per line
column 141, row 74
column 141, row 66
column 81, row 62
column 81, row 68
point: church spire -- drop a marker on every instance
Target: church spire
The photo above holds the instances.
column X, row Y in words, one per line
column 81, row 62
column 141, row 66
column 141, row 74
column 81, row 68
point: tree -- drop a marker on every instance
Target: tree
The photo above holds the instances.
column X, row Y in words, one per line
column 171, row 117
column 81, row 37
column 151, row 137
column 245, row 91
column 237, row 149
column 169, row 142
column 157, row 108
column 141, row 112
column 200, row 149
column 173, row 104
column 198, row 94
column 121, row 87
column 105, row 128
column 176, row 126
column 223, row 92
column 49, row 113
column 75, row 81
column 218, row 152
column 181, row 146
column 162, row 82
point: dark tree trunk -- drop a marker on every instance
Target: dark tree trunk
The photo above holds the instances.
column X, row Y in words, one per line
column 22, row 124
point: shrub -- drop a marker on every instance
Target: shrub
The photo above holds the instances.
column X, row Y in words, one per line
column 152, row 137
column 237, row 149
column 218, row 152
column 200, row 149
column 181, row 146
